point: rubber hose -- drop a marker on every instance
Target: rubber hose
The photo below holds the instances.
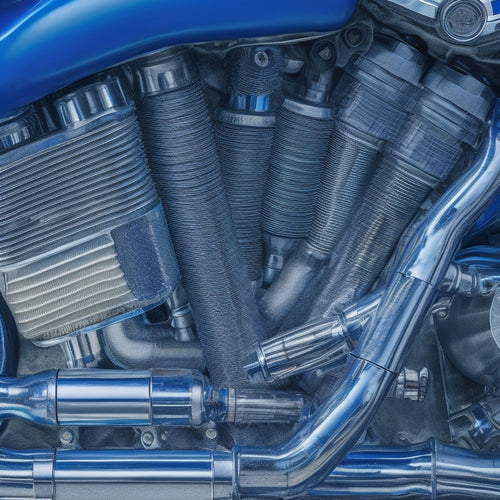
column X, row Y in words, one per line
column 393, row 197
column 182, row 151
column 244, row 153
column 298, row 153
column 245, row 132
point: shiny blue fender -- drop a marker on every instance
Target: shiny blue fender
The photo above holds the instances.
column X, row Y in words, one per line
column 48, row 44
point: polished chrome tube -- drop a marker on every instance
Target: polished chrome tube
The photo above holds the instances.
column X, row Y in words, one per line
column 115, row 475
column 337, row 425
column 318, row 344
column 142, row 397
column 325, row 343
column 430, row 470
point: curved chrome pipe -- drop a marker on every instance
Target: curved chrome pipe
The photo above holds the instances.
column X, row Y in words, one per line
column 325, row 343
column 429, row 470
column 337, row 425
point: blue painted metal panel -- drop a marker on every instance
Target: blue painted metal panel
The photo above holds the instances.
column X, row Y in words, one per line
column 495, row 6
column 45, row 45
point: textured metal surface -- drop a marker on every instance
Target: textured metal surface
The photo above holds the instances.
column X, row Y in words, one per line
column 64, row 198
column 108, row 159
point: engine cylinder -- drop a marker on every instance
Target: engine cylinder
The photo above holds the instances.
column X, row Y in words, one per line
column 83, row 240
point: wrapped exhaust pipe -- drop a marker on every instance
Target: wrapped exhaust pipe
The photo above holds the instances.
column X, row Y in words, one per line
column 323, row 441
column 372, row 102
column 244, row 129
column 303, row 126
column 448, row 120
column 181, row 147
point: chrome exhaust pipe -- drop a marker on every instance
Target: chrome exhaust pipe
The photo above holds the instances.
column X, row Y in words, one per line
column 140, row 397
column 323, row 441
column 325, row 343
column 427, row 471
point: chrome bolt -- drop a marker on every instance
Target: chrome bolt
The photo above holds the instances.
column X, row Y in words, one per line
column 147, row 439
column 211, row 433
column 261, row 58
column 66, row 436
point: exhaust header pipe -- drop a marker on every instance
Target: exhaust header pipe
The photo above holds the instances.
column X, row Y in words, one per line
column 323, row 441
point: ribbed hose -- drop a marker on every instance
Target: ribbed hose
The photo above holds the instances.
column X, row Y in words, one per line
column 348, row 169
column 448, row 117
column 181, row 147
column 244, row 154
column 423, row 157
column 347, row 172
column 299, row 149
column 371, row 102
column 244, row 128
